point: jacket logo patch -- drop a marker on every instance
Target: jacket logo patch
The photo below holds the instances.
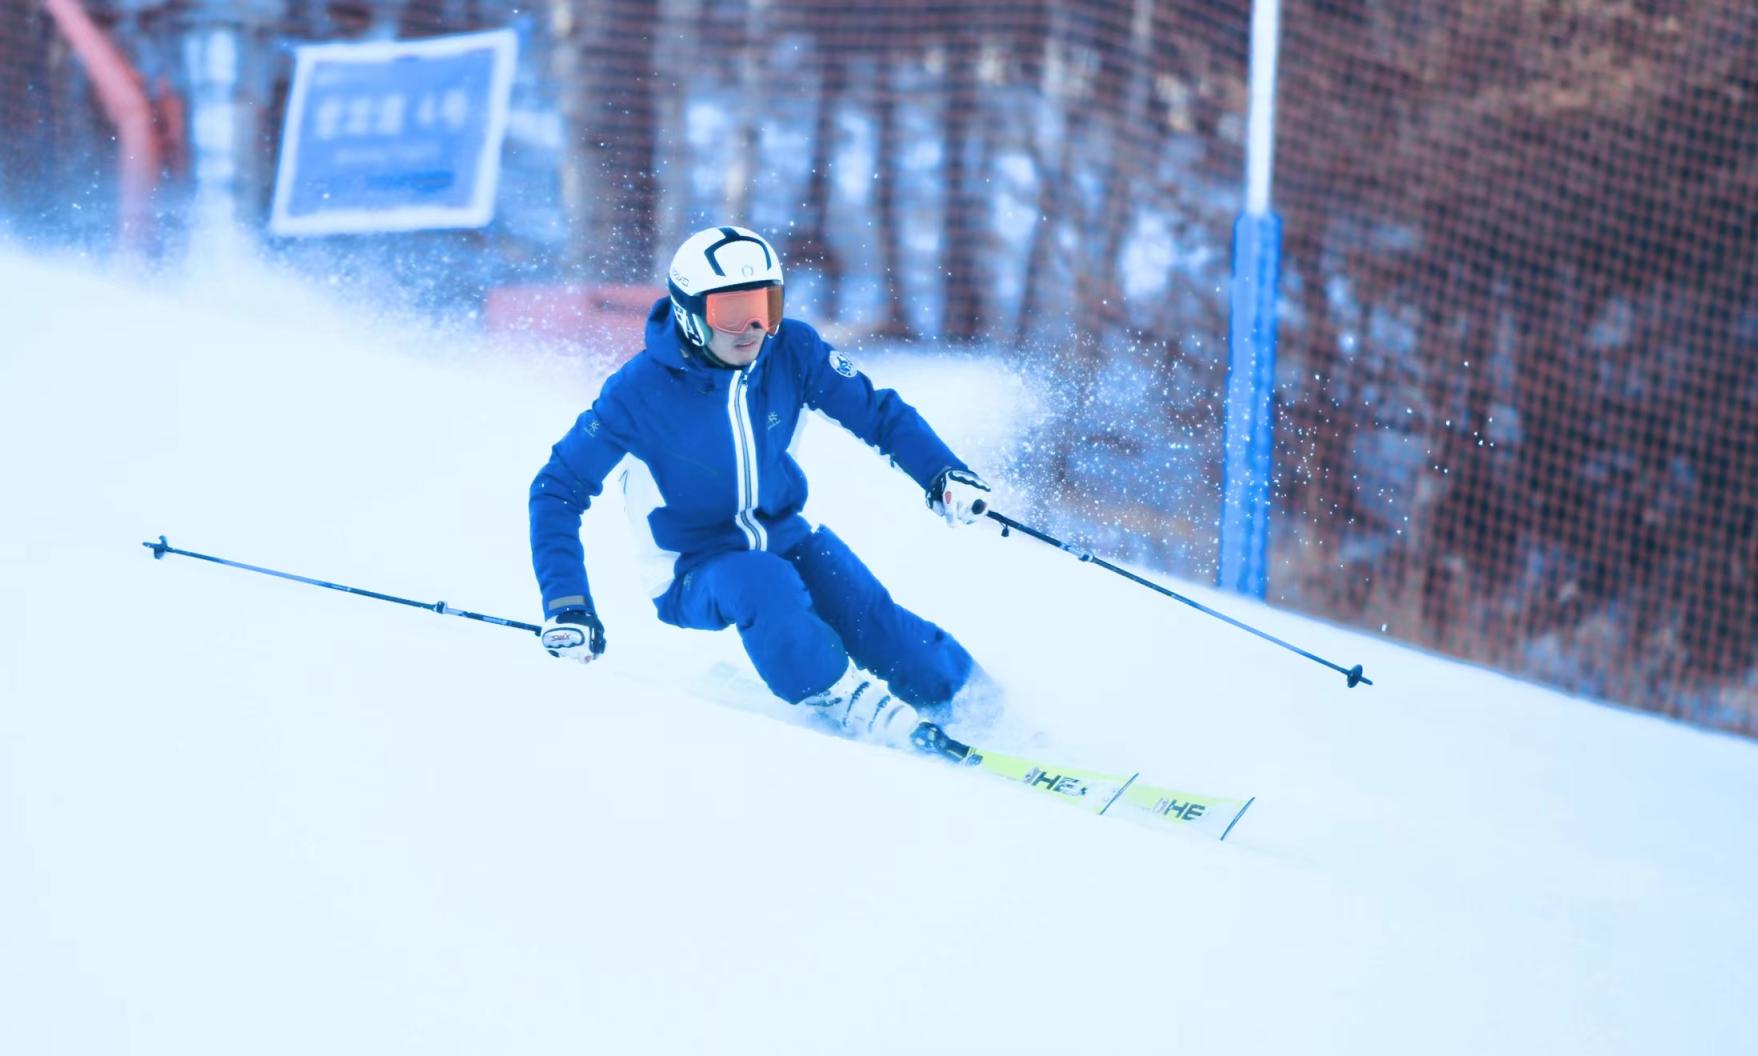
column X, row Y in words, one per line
column 842, row 364
column 774, row 420
column 592, row 427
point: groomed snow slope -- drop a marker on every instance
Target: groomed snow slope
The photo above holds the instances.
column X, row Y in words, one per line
column 239, row 815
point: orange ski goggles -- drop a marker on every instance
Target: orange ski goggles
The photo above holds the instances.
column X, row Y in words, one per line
column 733, row 311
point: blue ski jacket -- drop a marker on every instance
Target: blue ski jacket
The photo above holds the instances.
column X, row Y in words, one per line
column 715, row 442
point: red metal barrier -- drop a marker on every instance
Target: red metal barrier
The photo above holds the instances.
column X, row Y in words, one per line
column 593, row 319
column 122, row 91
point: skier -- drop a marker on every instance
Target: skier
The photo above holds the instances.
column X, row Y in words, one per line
column 708, row 409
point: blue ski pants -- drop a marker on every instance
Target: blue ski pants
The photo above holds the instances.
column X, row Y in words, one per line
column 805, row 613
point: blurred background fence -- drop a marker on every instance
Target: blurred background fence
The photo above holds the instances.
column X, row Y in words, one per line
column 1517, row 391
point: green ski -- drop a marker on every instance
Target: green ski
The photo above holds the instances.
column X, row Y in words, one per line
column 1094, row 791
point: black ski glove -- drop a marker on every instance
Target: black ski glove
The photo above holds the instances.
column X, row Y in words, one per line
column 574, row 634
column 959, row 495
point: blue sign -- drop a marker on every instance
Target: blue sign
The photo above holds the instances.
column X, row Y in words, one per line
column 394, row 135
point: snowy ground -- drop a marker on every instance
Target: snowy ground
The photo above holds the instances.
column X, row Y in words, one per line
column 239, row 815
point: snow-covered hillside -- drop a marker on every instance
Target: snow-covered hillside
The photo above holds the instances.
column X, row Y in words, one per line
column 239, row 815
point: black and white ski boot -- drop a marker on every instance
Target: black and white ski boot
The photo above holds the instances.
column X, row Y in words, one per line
column 863, row 708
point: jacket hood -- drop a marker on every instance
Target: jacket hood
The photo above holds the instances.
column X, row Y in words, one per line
column 666, row 346
column 663, row 342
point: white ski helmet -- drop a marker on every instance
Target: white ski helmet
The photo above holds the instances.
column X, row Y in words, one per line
column 724, row 260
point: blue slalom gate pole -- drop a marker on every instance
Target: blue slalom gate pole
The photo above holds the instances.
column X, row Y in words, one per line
column 1248, row 444
column 161, row 548
column 1248, row 434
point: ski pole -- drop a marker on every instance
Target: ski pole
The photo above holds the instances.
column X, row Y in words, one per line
column 1353, row 674
column 161, row 548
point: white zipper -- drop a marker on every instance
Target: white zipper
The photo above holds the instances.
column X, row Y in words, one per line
column 745, row 456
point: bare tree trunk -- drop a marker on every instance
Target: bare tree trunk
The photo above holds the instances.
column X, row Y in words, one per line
column 753, row 96
column 29, row 52
column 1050, row 327
column 1128, row 125
column 573, row 172
column 891, row 233
column 962, row 224
column 619, row 134
column 811, row 246
column 1052, row 173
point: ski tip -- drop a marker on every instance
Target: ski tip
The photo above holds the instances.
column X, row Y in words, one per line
column 1237, row 816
